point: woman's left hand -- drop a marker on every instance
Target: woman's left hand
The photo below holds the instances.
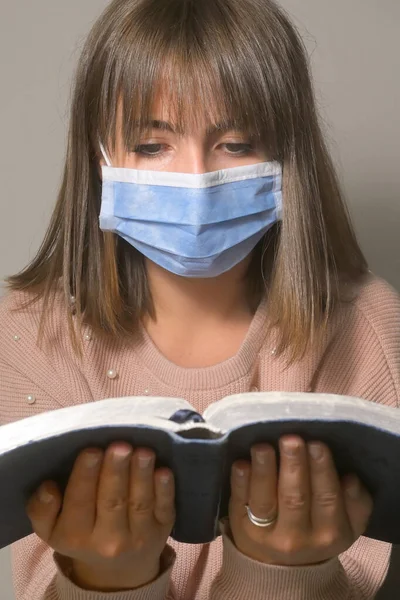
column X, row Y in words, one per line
column 318, row 515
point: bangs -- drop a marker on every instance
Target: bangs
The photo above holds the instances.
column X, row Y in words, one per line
column 206, row 60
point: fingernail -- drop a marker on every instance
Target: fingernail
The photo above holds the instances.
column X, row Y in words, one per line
column 121, row 453
column 144, row 460
column 261, row 457
column 239, row 471
column 291, row 447
column 45, row 496
column 353, row 488
column 315, row 451
column 92, row 459
column 165, row 478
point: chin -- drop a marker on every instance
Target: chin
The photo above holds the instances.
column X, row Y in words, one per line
column 239, row 269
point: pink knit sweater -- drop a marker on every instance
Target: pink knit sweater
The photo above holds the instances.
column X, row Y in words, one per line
column 359, row 356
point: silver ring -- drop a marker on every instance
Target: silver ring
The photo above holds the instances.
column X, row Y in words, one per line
column 260, row 522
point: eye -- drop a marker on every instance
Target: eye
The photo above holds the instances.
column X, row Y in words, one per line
column 149, row 150
column 239, row 149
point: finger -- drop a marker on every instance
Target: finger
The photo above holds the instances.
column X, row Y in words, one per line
column 141, row 496
column 240, row 481
column 263, row 482
column 164, row 507
column 294, row 486
column 113, row 490
column 79, row 505
column 327, row 507
column 358, row 504
column 240, row 488
column 43, row 509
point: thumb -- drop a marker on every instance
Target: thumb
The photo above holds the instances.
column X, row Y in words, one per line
column 358, row 504
column 43, row 508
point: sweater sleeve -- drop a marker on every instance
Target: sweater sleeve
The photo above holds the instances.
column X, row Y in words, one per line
column 41, row 574
column 37, row 571
column 356, row 575
column 363, row 361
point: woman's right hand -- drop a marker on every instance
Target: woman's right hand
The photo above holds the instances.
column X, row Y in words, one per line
column 114, row 520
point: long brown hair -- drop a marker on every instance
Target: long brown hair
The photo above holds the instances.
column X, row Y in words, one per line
column 238, row 60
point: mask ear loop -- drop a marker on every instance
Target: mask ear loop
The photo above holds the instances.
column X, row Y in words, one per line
column 105, row 155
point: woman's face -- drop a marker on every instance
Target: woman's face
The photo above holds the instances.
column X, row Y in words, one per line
column 201, row 150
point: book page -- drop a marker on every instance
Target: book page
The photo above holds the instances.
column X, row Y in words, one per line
column 130, row 410
column 242, row 409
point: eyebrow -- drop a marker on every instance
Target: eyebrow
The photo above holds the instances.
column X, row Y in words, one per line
column 165, row 126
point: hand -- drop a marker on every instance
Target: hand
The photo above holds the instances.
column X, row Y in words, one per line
column 114, row 520
column 318, row 516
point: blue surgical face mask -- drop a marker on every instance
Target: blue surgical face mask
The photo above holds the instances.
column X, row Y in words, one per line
column 192, row 225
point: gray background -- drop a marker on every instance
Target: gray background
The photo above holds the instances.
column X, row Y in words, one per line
column 355, row 50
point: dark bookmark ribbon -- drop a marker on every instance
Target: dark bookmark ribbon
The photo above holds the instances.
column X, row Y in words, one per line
column 186, row 416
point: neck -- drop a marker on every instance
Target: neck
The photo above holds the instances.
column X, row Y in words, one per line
column 192, row 302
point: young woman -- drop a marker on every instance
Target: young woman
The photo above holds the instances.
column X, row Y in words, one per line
column 200, row 247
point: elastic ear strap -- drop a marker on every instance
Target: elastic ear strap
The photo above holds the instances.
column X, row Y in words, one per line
column 105, row 155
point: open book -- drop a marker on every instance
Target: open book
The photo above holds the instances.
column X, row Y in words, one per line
column 200, row 449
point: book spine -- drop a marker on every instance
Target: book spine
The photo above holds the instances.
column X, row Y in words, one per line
column 197, row 465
